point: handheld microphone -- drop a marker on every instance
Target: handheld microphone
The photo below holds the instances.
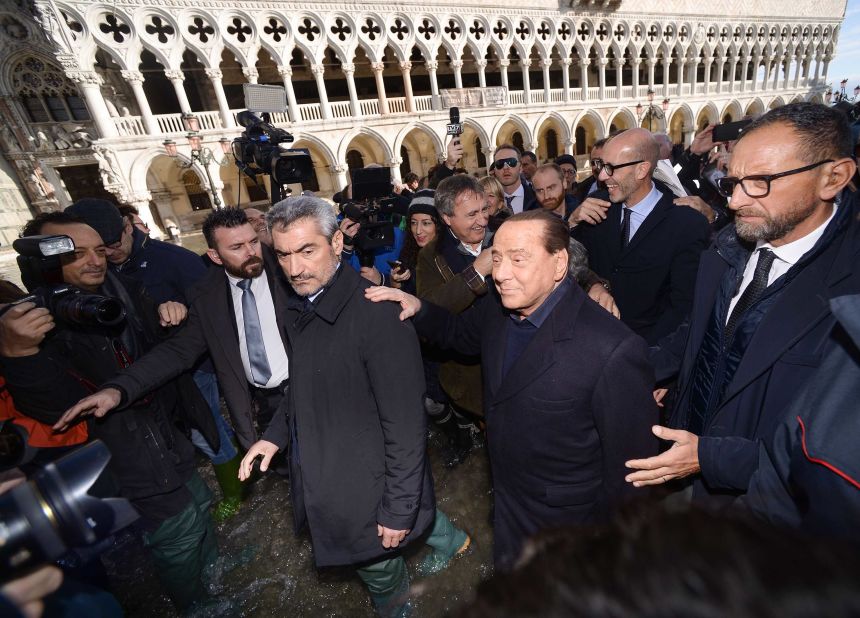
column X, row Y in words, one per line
column 455, row 128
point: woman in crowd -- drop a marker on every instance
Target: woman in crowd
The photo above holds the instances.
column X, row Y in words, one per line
column 495, row 197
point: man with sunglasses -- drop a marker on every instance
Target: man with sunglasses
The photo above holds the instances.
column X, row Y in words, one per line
column 508, row 169
column 762, row 314
column 637, row 239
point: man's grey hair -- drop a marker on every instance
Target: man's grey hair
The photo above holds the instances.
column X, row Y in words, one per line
column 286, row 212
column 453, row 187
column 577, row 260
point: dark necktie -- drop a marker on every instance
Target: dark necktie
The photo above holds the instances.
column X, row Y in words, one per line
column 625, row 228
column 509, row 200
column 260, row 370
column 752, row 292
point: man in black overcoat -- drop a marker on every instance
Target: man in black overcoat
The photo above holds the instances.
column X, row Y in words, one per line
column 354, row 415
column 567, row 387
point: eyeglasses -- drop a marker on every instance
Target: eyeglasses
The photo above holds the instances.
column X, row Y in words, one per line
column 510, row 162
column 758, row 185
column 609, row 168
column 568, row 172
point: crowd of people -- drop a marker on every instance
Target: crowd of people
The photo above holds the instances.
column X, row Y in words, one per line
column 678, row 335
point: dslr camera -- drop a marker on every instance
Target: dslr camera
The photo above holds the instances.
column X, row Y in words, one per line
column 52, row 512
column 375, row 208
column 40, row 261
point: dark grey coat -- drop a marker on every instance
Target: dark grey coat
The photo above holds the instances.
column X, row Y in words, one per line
column 358, row 454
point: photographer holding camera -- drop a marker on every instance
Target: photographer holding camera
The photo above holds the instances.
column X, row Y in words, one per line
column 52, row 361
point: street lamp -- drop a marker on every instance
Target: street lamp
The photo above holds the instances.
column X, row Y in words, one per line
column 652, row 110
column 199, row 152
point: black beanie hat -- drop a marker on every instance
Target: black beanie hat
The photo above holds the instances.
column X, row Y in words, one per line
column 101, row 215
column 423, row 203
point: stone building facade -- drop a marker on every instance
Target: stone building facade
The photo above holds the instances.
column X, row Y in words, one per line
column 91, row 91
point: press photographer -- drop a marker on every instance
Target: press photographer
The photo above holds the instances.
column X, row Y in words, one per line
column 51, row 360
column 373, row 217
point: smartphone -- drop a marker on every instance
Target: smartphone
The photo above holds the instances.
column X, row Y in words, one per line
column 394, row 264
column 729, row 131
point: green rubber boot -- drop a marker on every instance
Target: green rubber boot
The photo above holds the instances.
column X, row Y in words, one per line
column 232, row 488
column 447, row 542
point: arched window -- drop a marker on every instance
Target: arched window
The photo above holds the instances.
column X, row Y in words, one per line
column 354, row 160
column 551, row 144
column 479, row 153
column 581, row 146
column 46, row 93
column 197, row 195
column 517, row 139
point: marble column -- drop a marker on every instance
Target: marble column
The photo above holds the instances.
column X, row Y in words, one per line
column 251, row 74
column 319, row 76
column 482, row 72
column 405, row 68
column 135, row 80
column 141, row 201
column 215, row 77
column 667, row 65
column 565, row 78
column 504, row 63
column 721, row 63
column 378, row 68
column 652, row 64
column 708, row 64
column 545, row 65
column 286, row 73
column 525, row 63
column 177, row 78
column 457, row 65
column 618, row 64
column 432, row 66
column 636, row 63
column 799, row 69
column 349, row 72
column 89, row 82
column 583, row 77
column 601, row 63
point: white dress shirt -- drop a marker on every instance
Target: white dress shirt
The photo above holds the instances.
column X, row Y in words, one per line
column 519, row 196
column 786, row 256
column 641, row 210
column 275, row 352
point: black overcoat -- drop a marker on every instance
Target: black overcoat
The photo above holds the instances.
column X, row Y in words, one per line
column 358, row 447
column 572, row 409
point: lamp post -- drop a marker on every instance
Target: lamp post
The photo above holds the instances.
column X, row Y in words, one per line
column 199, row 153
column 652, row 111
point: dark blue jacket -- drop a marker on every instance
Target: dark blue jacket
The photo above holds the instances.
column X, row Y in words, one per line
column 167, row 271
column 782, row 354
column 809, row 471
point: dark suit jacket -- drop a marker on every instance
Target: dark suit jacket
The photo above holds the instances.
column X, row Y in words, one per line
column 573, row 408
column 784, row 352
column 209, row 327
column 652, row 279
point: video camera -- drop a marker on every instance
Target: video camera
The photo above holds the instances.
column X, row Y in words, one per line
column 52, row 512
column 377, row 210
column 40, row 259
column 261, row 149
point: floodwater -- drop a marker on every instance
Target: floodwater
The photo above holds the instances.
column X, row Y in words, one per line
column 265, row 570
column 268, row 571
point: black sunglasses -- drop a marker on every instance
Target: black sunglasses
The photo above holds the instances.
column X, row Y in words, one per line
column 510, row 162
column 610, row 168
column 758, row 185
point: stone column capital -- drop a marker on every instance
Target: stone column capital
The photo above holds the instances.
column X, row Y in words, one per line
column 406, row 66
column 177, row 74
column 285, row 71
column 213, row 73
column 456, row 64
column 394, row 162
column 339, row 169
column 349, row 69
column 377, row 67
column 603, row 61
column 566, row 62
column 526, row 63
column 432, row 65
column 481, row 63
column 317, row 69
column 132, row 76
column 504, row 62
column 546, row 63
column 251, row 72
column 85, row 78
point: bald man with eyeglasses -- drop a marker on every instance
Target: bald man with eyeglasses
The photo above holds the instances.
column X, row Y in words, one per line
column 638, row 240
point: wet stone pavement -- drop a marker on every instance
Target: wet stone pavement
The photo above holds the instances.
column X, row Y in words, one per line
column 265, row 570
